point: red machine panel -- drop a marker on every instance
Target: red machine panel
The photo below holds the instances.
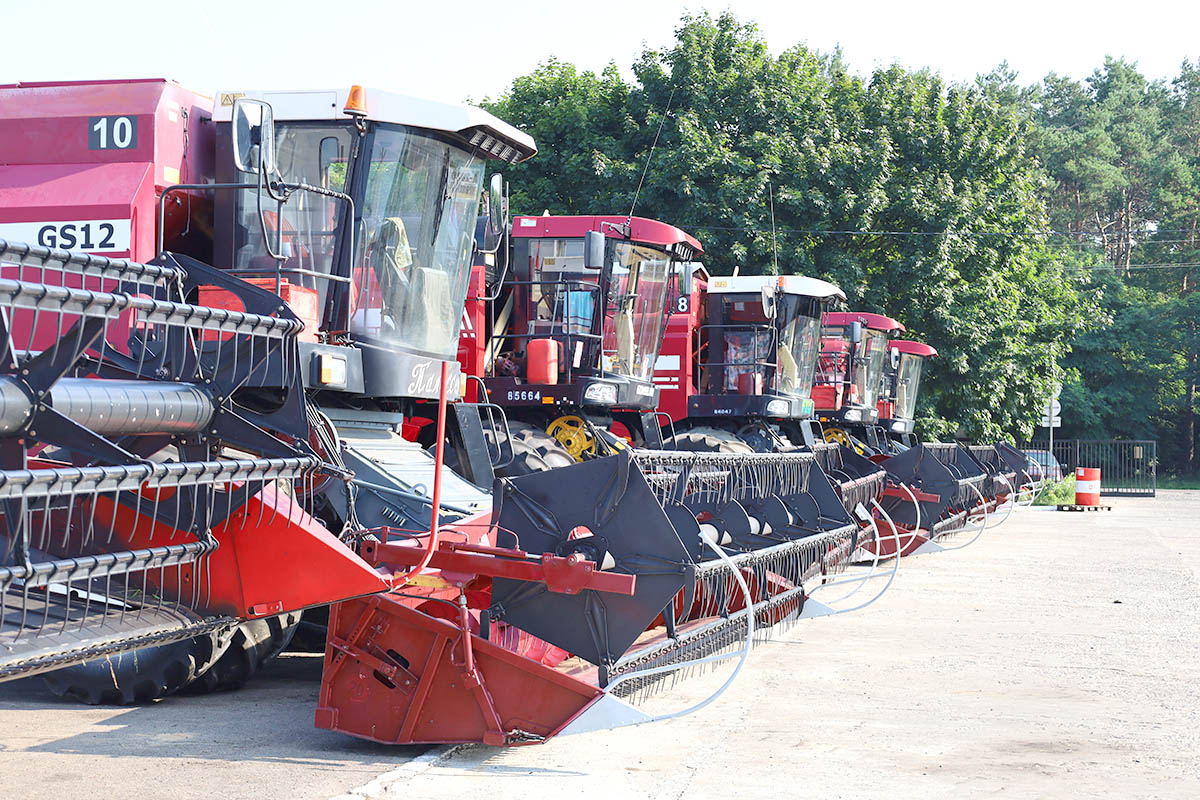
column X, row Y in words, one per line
column 82, row 163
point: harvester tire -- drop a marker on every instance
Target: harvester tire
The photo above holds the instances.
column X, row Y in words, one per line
column 253, row 644
column 137, row 676
column 708, row 440
column 534, row 450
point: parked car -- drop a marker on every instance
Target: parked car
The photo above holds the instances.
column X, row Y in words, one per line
column 1046, row 466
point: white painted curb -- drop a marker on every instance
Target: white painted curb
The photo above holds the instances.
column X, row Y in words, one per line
column 378, row 787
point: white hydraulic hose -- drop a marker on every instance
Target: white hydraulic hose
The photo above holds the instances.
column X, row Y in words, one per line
column 1011, row 504
column 891, row 575
column 982, row 526
column 706, row 537
column 856, row 580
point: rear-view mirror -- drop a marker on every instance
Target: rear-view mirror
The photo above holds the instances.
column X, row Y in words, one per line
column 856, row 332
column 497, row 215
column 330, row 153
column 593, row 250
column 768, row 301
column 253, row 136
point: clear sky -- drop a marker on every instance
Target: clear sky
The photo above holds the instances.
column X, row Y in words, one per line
column 455, row 49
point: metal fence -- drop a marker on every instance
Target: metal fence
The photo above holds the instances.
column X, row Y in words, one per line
column 1128, row 467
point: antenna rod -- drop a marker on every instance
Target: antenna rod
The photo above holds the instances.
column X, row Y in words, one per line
column 774, row 244
column 649, row 156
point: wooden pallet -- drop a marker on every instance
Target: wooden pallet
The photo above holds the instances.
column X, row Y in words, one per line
column 1073, row 507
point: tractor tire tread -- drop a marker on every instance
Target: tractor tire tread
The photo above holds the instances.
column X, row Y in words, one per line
column 534, row 450
column 706, row 439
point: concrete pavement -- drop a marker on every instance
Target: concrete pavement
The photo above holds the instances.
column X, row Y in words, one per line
column 1056, row 657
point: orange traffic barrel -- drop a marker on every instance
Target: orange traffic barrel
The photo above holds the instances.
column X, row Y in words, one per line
column 1087, row 486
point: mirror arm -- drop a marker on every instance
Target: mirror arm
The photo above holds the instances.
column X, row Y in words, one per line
column 262, row 223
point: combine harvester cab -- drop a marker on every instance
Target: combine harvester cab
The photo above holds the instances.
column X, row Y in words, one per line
column 898, row 403
column 568, row 320
column 850, row 378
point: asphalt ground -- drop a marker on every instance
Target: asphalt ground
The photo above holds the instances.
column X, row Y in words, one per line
column 1055, row 657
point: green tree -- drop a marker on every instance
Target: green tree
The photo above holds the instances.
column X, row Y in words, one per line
column 582, row 124
column 942, row 169
column 1123, row 159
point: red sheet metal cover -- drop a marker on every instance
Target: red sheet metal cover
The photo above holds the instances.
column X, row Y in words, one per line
column 915, row 348
column 877, row 322
column 86, row 207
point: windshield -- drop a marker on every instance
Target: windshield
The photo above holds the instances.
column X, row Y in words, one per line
column 799, row 344
column 908, row 381
column 637, row 305
column 304, row 227
column 414, row 243
column 562, row 294
column 413, row 246
column 740, row 349
column 868, row 368
column 866, row 373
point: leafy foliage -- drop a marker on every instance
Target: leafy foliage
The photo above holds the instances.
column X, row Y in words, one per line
column 1003, row 224
column 1058, row 493
column 1122, row 156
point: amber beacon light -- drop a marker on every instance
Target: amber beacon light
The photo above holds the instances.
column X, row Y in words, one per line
column 356, row 102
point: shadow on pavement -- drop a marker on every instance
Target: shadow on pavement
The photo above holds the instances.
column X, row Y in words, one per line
column 268, row 720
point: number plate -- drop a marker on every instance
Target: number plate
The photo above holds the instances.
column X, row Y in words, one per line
column 88, row 236
column 112, row 133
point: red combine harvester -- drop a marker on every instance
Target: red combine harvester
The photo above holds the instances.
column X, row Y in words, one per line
column 1007, row 468
column 194, row 454
column 566, row 326
column 929, row 497
column 738, row 360
column 735, row 375
column 850, row 376
column 737, row 368
column 948, row 487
